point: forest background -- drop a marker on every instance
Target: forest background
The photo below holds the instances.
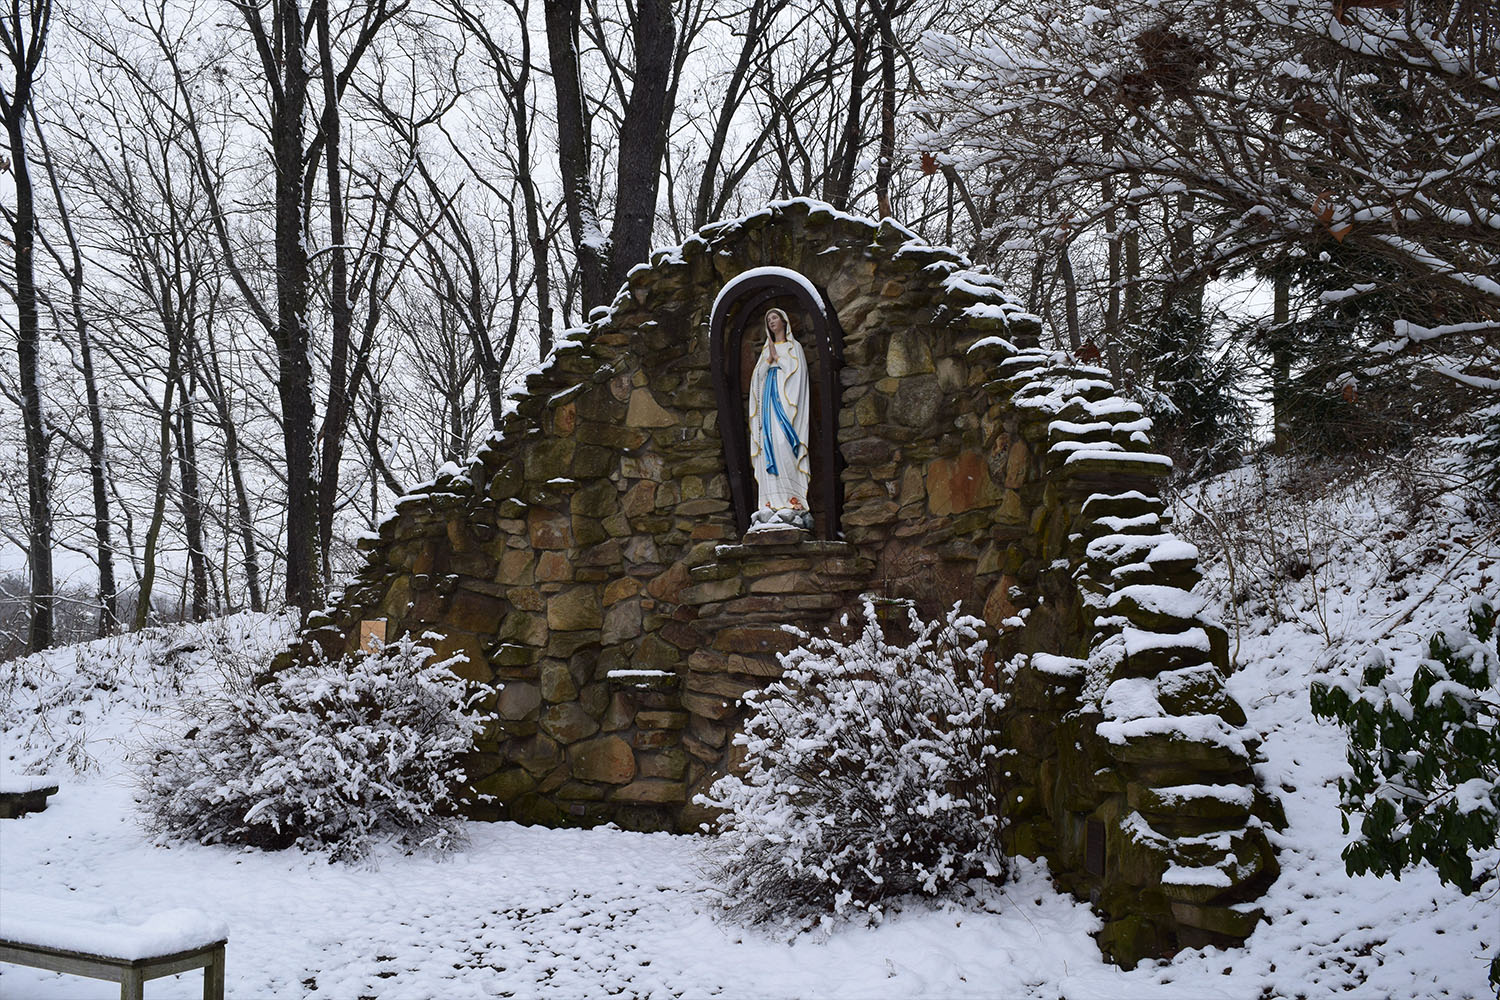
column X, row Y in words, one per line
column 269, row 264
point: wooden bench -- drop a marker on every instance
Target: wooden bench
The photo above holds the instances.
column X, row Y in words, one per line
column 63, row 937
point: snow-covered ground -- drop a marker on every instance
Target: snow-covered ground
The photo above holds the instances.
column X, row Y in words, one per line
column 535, row 912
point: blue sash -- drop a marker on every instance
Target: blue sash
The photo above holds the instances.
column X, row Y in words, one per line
column 771, row 402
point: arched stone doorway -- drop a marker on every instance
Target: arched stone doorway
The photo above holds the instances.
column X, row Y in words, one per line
column 741, row 302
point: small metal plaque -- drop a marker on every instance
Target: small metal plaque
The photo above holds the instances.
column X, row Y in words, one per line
column 372, row 635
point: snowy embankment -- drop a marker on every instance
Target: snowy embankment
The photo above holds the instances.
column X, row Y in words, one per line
column 534, row 912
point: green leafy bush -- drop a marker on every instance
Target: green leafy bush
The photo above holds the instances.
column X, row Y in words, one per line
column 1425, row 759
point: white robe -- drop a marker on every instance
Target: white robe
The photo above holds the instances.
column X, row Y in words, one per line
column 786, row 453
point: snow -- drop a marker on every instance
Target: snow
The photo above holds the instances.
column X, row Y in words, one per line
column 70, row 925
column 1131, row 698
column 569, row 913
column 1173, row 601
column 732, row 286
column 1172, row 549
column 987, row 310
column 19, row 784
column 1197, row 728
column 1058, row 666
column 1239, row 795
column 1209, row 876
column 1100, row 451
column 983, row 342
column 1138, row 641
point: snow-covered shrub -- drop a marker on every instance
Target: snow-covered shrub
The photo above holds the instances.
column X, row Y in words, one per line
column 69, row 707
column 1425, row 759
column 866, row 777
column 323, row 755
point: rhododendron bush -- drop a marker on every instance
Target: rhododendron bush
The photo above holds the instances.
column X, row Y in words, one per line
column 866, row 776
column 323, row 755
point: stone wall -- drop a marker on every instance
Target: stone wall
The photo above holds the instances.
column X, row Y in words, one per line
column 587, row 561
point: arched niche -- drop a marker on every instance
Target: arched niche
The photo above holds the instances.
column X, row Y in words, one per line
column 739, row 305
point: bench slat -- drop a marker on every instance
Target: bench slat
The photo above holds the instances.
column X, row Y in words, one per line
column 129, row 973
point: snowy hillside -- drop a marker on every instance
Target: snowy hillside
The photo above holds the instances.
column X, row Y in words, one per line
column 1307, row 576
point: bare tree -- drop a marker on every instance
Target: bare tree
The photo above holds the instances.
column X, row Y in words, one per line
column 603, row 259
column 70, row 263
column 24, row 39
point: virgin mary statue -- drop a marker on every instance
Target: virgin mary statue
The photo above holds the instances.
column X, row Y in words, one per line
column 778, row 427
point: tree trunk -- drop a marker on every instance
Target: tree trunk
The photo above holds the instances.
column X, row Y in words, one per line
column 1281, row 361
column 28, row 342
column 109, row 615
column 841, row 177
column 336, row 414
column 190, row 501
column 1131, row 281
column 643, row 140
column 1112, row 295
column 218, row 391
column 885, row 169
column 589, row 241
column 293, row 339
column 159, row 501
column 1070, row 297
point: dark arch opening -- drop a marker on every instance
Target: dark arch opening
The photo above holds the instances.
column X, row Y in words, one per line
column 740, row 302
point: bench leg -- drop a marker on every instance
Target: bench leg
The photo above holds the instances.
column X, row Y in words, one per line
column 132, row 985
column 213, row 976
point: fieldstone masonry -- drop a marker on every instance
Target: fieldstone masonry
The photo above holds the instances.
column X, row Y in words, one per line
column 588, row 563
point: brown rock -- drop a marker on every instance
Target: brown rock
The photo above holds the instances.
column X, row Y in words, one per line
column 645, row 411
column 568, row 722
column 575, row 609
column 652, row 790
column 998, row 606
column 709, row 706
column 515, row 568
column 524, row 629
column 784, row 583
column 959, row 484
column 549, row 530
column 473, row 665
column 538, row 755
column 527, row 599
column 752, row 639
column 553, row 566
column 668, row 585
column 476, row 612
column 642, row 467
column 607, row 759
column 654, row 739
column 1017, row 465
column 621, row 622
column 670, row 764
column 557, row 683
column 621, row 712
column 658, row 719
column 518, row 700
column 907, row 353
column 617, row 590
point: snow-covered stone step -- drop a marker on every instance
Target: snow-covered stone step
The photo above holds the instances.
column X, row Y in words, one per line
column 1157, row 607
column 1103, row 463
column 1129, row 433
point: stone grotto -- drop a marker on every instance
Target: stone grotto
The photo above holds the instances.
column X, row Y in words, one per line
column 592, row 561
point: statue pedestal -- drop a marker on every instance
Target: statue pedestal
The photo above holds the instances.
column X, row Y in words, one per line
column 782, row 534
